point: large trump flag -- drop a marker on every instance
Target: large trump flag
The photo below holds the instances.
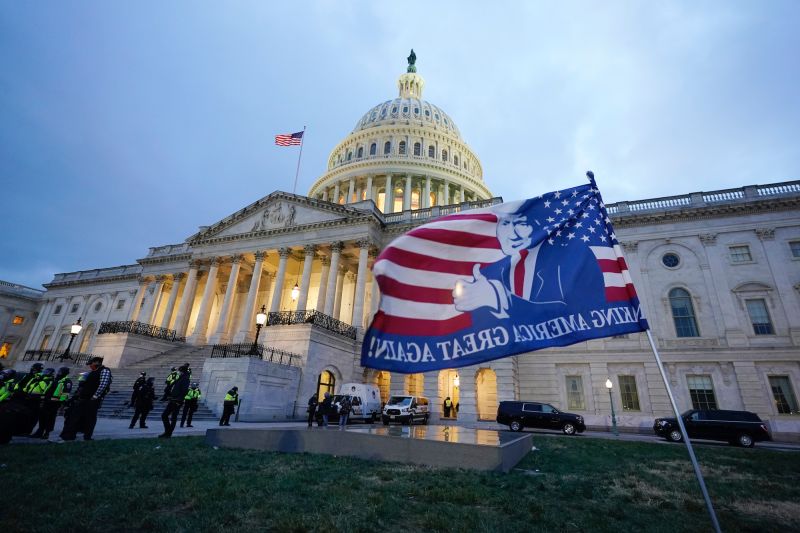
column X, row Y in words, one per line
column 508, row 279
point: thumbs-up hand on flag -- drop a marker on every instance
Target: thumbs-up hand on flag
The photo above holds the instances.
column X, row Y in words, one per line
column 478, row 292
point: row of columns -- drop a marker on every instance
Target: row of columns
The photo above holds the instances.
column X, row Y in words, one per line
column 329, row 298
column 367, row 189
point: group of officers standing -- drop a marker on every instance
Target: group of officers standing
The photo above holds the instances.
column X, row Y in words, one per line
column 34, row 398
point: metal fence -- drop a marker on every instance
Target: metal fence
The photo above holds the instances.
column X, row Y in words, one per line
column 258, row 351
column 74, row 358
column 140, row 328
column 284, row 318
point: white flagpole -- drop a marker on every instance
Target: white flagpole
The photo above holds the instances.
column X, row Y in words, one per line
column 696, row 466
column 297, row 173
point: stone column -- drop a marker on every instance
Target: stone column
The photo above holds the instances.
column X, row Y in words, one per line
column 350, row 190
column 446, row 195
column 323, row 284
column 375, row 296
column 150, row 309
column 133, row 316
column 361, row 282
column 369, row 187
column 277, row 292
column 427, row 201
column 173, row 296
column 305, row 281
column 185, row 308
column 336, row 193
column 330, row 291
column 325, row 194
column 388, row 197
column 220, row 335
column 246, row 322
column 461, row 192
column 201, row 324
column 53, row 344
column 407, row 193
column 41, row 320
column 337, row 305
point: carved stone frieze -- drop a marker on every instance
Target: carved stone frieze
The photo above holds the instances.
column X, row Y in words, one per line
column 260, row 255
column 309, row 249
column 708, row 239
column 278, row 215
column 630, row 246
column 765, row 234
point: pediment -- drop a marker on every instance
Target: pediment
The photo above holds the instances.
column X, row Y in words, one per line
column 752, row 286
column 277, row 211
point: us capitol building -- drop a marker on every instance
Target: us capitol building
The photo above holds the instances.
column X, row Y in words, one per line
column 718, row 274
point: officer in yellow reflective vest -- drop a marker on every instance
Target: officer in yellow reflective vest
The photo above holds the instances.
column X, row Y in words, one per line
column 229, row 406
column 35, row 391
column 192, row 398
column 7, row 384
column 53, row 398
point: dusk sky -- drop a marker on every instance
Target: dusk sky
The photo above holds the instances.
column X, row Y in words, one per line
column 126, row 125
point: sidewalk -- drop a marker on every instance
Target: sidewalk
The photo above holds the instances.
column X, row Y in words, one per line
column 117, row 428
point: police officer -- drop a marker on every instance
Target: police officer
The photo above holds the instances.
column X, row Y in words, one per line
column 312, row 408
column 35, row 390
column 89, row 397
column 229, row 406
column 448, row 405
column 25, row 379
column 144, row 403
column 137, row 386
column 54, row 397
column 191, row 400
column 172, row 377
column 177, row 393
column 7, row 384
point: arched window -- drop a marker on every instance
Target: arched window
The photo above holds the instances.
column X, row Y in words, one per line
column 325, row 383
column 360, row 152
column 417, row 149
column 387, row 147
column 455, row 160
column 349, row 156
column 401, row 148
column 431, row 151
column 444, row 155
column 373, row 149
column 683, row 313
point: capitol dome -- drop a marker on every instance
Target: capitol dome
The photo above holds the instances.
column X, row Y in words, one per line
column 408, row 146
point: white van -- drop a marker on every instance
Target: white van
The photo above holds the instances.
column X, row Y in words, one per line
column 365, row 401
column 406, row 410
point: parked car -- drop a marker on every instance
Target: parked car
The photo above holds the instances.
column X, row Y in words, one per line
column 741, row 428
column 406, row 409
column 520, row 415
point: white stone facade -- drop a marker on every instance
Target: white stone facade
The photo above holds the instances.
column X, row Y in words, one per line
column 718, row 275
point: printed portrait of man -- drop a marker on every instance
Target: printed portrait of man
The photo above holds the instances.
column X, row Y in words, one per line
column 536, row 275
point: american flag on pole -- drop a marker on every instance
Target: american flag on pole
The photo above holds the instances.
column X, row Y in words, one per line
column 289, row 139
column 507, row 279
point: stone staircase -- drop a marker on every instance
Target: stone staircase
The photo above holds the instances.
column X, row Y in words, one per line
column 114, row 404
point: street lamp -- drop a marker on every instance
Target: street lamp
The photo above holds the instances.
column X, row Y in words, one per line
column 295, row 292
column 73, row 332
column 261, row 319
column 610, row 386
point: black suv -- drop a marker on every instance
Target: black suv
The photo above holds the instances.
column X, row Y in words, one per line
column 519, row 415
column 741, row 428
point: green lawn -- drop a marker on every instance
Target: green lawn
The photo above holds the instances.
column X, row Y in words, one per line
column 582, row 484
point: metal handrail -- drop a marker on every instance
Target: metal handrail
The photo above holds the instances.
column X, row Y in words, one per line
column 76, row 358
column 285, row 318
column 140, row 328
column 258, row 351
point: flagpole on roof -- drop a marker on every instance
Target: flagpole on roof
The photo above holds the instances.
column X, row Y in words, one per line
column 695, row 465
column 297, row 173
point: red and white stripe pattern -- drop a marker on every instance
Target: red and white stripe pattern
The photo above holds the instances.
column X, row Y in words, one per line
column 616, row 277
column 418, row 271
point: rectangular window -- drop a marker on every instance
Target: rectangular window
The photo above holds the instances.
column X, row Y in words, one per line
column 757, row 309
column 794, row 246
column 57, row 310
column 18, row 320
column 740, row 254
column 5, row 349
column 785, row 401
column 575, row 398
column 120, row 304
column 701, row 389
column 74, row 308
column 630, row 395
column 45, row 342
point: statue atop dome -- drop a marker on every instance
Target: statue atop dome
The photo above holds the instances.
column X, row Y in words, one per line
column 412, row 60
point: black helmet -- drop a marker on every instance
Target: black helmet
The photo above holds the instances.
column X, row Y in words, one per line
column 194, row 385
column 235, row 388
column 143, row 374
column 8, row 373
column 48, row 371
column 37, row 367
column 63, row 371
column 172, row 369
